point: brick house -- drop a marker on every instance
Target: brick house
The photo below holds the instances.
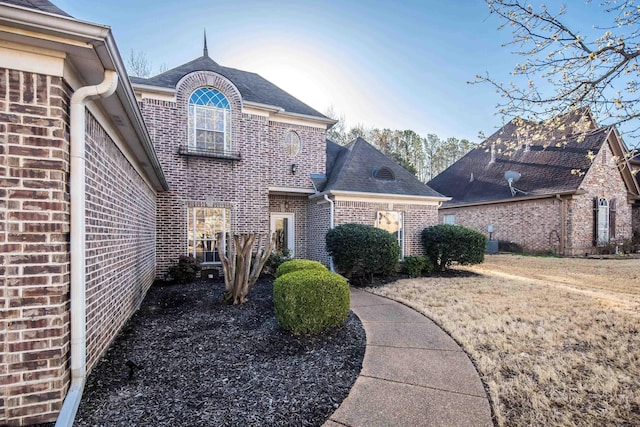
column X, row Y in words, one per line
column 104, row 182
column 78, row 188
column 569, row 191
column 242, row 155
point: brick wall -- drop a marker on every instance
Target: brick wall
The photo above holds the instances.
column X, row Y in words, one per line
column 535, row 224
column 34, row 235
column 319, row 216
column 242, row 185
column 34, row 243
column 416, row 218
column 602, row 180
column 120, row 261
column 532, row 224
column 298, row 205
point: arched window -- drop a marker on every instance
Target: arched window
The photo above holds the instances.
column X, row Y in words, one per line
column 209, row 121
column 292, row 143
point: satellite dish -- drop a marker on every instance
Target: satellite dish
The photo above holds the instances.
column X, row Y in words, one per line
column 512, row 176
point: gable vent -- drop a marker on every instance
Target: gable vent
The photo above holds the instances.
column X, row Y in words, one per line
column 383, row 173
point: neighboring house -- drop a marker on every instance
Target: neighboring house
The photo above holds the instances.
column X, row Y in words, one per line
column 100, row 196
column 571, row 189
column 54, row 244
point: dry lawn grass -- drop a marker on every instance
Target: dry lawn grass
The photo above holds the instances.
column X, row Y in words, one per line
column 556, row 341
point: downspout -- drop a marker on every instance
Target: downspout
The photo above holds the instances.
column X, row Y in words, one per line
column 77, row 246
column 331, row 225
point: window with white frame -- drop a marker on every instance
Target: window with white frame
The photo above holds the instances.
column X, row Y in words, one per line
column 393, row 222
column 603, row 221
column 450, row 219
column 209, row 121
column 204, row 225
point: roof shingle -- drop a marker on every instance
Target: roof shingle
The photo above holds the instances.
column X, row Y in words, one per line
column 252, row 87
column 350, row 168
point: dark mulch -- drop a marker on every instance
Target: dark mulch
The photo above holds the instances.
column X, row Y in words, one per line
column 207, row 363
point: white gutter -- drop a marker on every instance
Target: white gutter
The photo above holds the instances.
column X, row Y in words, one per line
column 78, row 270
column 331, row 225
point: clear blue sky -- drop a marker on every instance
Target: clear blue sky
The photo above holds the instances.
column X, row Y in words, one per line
column 385, row 64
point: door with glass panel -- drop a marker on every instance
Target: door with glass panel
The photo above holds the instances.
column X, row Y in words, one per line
column 282, row 224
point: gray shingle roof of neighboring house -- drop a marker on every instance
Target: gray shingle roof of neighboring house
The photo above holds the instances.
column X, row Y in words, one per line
column 252, row 87
column 354, row 167
column 41, row 5
column 556, row 164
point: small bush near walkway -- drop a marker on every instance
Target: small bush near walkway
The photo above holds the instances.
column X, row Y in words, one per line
column 310, row 301
column 445, row 244
column 362, row 250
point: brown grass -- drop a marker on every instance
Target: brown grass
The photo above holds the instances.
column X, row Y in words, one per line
column 556, row 341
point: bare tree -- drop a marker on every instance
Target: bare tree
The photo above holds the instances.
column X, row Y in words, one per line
column 565, row 70
column 138, row 64
column 240, row 264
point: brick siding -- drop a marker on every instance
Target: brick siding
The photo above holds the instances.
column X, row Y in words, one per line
column 34, row 248
column 416, row 218
column 242, row 185
column 34, row 238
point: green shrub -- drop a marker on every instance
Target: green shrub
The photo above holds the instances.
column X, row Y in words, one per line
column 298, row 264
column 362, row 250
column 310, row 301
column 414, row 266
column 445, row 244
column 186, row 270
column 275, row 260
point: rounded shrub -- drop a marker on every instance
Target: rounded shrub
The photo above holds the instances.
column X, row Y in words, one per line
column 414, row 266
column 362, row 250
column 297, row 265
column 445, row 244
column 185, row 270
column 310, row 301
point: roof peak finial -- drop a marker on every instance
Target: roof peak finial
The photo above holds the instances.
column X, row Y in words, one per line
column 205, row 51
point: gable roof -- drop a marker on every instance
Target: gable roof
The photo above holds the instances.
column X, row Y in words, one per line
column 252, row 86
column 554, row 162
column 41, row 5
column 351, row 169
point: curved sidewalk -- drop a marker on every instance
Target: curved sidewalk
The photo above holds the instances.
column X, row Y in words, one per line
column 413, row 373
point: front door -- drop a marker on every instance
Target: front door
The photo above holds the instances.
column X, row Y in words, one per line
column 283, row 225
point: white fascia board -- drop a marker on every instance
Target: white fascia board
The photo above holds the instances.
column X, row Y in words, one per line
column 278, row 114
column 519, row 199
column 357, row 196
column 31, row 59
column 291, row 191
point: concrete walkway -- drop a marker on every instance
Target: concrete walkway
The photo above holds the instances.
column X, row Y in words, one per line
column 413, row 373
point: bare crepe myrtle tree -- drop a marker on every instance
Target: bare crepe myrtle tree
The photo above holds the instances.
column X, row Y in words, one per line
column 241, row 264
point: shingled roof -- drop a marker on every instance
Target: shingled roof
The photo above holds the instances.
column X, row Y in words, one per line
column 355, row 166
column 41, row 5
column 555, row 163
column 252, row 87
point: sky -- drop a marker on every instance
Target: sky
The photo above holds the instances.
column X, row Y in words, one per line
column 381, row 64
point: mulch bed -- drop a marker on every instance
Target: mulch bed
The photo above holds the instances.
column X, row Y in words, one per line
column 207, row 363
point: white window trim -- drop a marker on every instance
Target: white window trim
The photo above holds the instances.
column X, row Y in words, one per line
column 400, row 231
column 446, row 216
column 603, row 221
column 291, row 238
column 192, row 222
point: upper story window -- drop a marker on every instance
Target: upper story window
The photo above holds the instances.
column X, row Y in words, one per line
column 292, row 143
column 209, row 122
